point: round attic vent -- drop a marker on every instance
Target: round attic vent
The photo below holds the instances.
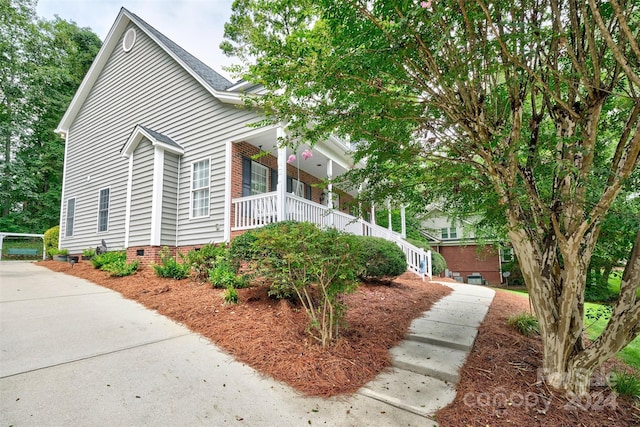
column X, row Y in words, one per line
column 129, row 40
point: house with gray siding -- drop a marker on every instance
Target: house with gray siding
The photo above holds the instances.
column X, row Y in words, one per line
column 160, row 151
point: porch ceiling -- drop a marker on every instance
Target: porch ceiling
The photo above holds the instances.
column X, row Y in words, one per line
column 266, row 140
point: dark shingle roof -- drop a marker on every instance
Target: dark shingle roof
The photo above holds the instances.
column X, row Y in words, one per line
column 215, row 80
column 160, row 137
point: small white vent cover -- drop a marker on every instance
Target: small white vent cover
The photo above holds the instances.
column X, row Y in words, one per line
column 129, row 40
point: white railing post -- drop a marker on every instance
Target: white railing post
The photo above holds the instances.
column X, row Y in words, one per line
column 281, row 188
column 429, row 265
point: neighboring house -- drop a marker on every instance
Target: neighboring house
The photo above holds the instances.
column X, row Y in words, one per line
column 467, row 260
column 159, row 152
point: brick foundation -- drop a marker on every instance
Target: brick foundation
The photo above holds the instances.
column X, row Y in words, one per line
column 469, row 259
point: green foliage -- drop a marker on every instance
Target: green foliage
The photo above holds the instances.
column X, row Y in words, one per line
column 42, row 66
column 318, row 266
column 56, row 251
column 242, row 247
column 169, row 267
column 88, row 253
column 230, row 295
column 625, row 384
column 222, row 275
column 51, row 239
column 121, row 268
column 525, row 323
column 378, row 258
column 202, row 260
column 99, row 261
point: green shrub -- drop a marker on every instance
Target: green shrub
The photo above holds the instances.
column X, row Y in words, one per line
column 99, row 261
column 525, row 323
column 88, row 253
column 222, row 275
column 51, row 240
column 230, row 295
column 121, row 268
column 317, row 266
column 169, row 267
column 378, row 258
column 242, row 249
column 204, row 259
column 625, row 384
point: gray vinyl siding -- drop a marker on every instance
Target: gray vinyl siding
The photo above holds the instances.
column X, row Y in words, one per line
column 146, row 86
column 169, row 200
column 141, row 195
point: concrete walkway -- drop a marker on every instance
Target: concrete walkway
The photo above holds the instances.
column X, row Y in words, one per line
column 74, row 353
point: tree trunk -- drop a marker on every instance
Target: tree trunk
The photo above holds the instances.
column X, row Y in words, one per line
column 557, row 298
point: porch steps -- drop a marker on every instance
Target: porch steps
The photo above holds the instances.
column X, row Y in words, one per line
column 426, row 364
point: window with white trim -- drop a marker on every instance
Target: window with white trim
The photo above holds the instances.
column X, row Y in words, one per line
column 71, row 212
column 200, row 189
column 507, row 254
column 259, row 174
column 449, row 233
column 103, row 210
column 297, row 187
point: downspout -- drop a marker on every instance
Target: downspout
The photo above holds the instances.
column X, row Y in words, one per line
column 281, row 189
column 227, row 192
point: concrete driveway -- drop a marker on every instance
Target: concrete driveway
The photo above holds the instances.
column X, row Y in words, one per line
column 74, row 353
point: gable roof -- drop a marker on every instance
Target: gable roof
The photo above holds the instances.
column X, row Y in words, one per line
column 213, row 79
column 156, row 138
column 213, row 82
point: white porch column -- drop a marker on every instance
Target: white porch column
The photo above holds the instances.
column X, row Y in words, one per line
column 373, row 213
column 330, row 191
column 281, row 189
column 390, row 226
column 403, row 220
column 156, row 196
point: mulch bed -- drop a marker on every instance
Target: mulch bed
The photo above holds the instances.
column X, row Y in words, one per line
column 270, row 335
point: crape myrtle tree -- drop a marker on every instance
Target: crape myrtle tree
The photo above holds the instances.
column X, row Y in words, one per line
column 531, row 105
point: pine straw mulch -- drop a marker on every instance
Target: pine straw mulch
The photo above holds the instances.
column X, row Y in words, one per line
column 498, row 384
column 270, row 335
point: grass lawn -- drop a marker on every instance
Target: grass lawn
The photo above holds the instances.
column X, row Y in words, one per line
column 631, row 353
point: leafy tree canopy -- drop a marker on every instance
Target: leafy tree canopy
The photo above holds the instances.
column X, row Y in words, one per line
column 43, row 63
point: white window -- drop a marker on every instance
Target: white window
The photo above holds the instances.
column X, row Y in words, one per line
column 449, row 233
column 71, row 212
column 507, row 254
column 259, row 174
column 297, row 187
column 200, row 189
column 103, row 210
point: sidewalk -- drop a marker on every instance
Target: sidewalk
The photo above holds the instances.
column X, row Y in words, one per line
column 74, row 353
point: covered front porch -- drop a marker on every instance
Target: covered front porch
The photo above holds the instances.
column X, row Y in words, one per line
column 270, row 182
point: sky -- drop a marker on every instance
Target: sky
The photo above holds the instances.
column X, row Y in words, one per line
column 196, row 25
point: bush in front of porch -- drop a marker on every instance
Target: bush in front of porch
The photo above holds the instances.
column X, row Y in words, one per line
column 318, row 266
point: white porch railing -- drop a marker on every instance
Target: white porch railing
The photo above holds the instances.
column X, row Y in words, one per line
column 261, row 209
